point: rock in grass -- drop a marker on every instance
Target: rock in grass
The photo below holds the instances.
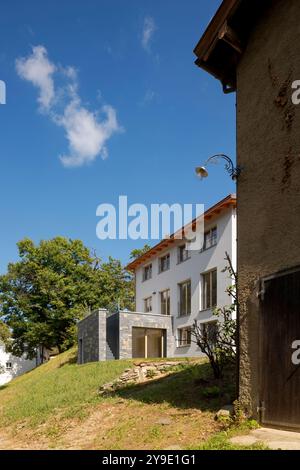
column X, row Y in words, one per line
column 224, row 412
column 164, row 421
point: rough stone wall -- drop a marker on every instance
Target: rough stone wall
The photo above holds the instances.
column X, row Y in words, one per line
column 268, row 148
column 112, row 336
column 88, row 332
column 102, row 315
column 141, row 372
column 147, row 320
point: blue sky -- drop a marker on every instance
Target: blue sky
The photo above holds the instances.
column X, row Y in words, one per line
column 124, row 70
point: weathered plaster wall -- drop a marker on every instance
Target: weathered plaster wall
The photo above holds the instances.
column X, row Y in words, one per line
column 268, row 147
column 144, row 320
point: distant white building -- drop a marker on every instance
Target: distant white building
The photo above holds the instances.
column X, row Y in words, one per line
column 174, row 288
column 12, row 366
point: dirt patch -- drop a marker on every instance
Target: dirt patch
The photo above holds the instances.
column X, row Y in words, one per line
column 119, row 424
column 175, row 409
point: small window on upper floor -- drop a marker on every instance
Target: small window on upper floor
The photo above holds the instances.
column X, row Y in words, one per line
column 210, row 238
column 164, row 263
column 8, row 366
column 148, row 305
column 183, row 254
column 147, row 273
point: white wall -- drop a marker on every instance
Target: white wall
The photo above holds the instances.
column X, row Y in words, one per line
column 20, row 365
column 192, row 268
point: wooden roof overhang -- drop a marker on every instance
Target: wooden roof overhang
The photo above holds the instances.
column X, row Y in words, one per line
column 224, row 40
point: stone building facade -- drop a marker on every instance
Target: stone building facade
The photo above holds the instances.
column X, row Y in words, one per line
column 104, row 336
column 92, row 337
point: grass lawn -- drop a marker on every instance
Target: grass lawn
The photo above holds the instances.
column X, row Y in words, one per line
column 58, row 406
column 60, row 386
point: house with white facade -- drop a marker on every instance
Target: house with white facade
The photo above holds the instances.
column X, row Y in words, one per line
column 174, row 288
column 12, row 366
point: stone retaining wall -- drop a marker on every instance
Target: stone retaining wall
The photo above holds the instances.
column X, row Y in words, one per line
column 141, row 372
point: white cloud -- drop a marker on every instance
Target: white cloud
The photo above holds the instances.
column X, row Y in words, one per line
column 149, row 28
column 38, row 70
column 87, row 133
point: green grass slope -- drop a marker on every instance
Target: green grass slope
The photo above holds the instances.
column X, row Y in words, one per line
column 59, row 386
column 57, row 405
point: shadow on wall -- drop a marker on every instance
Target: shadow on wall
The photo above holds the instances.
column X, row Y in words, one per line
column 192, row 386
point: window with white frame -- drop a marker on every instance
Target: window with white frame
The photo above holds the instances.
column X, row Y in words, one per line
column 147, row 273
column 185, row 298
column 210, row 238
column 164, row 263
column 8, row 366
column 182, row 253
column 148, row 304
column 209, row 289
column 165, row 302
column 184, row 337
column 209, row 331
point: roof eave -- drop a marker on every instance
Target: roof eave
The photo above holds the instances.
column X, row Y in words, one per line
column 161, row 246
column 219, row 31
column 224, row 41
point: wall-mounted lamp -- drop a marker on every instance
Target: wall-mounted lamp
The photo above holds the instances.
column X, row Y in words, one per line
column 234, row 171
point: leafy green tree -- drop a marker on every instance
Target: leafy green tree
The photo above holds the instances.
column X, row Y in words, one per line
column 137, row 252
column 4, row 333
column 117, row 286
column 4, row 338
column 45, row 293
